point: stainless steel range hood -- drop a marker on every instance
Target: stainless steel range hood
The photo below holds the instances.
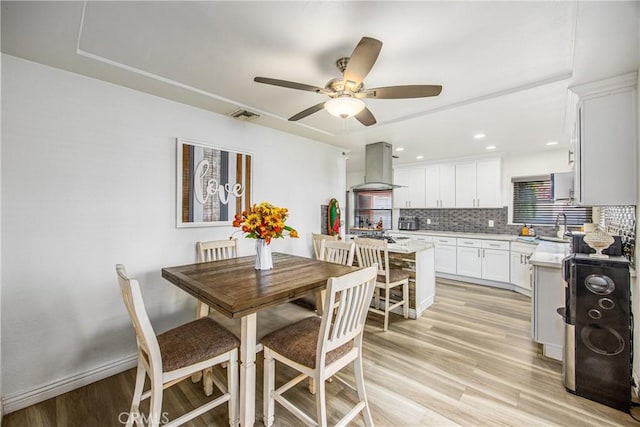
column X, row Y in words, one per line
column 378, row 172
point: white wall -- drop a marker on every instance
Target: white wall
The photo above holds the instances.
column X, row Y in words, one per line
column 88, row 173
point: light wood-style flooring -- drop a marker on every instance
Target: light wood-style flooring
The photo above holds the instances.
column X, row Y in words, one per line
column 468, row 360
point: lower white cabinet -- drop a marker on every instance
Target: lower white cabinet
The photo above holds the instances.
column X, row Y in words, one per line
column 546, row 324
column 484, row 259
column 495, row 265
column 520, row 267
column 445, row 254
column 469, row 257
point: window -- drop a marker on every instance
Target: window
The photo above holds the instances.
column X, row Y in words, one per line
column 371, row 206
column 533, row 203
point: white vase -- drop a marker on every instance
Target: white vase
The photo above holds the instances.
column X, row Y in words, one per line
column 263, row 255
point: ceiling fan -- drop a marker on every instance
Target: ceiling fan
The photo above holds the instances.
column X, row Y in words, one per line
column 346, row 92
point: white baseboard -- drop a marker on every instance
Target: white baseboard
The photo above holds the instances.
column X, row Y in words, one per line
column 16, row 401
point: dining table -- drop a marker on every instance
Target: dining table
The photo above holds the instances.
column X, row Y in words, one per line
column 236, row 289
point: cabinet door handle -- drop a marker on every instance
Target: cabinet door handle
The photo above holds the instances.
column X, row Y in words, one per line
column 478, row 253
column 521, row 259
column 483, row 256
column 478, row 203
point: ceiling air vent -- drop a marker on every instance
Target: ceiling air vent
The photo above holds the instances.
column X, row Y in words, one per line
column 244, row 115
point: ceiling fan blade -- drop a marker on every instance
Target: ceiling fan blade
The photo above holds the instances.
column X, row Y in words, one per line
column 399, row 92
column 365, row 117
column 361, row 61
column 290, row 85
column 309, row 111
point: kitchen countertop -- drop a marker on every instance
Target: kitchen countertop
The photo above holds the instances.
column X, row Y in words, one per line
column 486, row 236
column 549, row 254
column 409, row 246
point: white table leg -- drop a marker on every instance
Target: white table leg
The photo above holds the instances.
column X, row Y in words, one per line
column 248, row 370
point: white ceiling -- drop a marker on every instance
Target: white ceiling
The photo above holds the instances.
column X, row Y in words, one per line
column 505, row 67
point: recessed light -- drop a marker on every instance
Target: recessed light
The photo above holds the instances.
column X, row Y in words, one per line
column 479, row 135
column 400, row 149
column 490, row 147
column 420, row 157
column 552, row 143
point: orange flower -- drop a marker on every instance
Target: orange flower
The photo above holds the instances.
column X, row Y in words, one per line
column 264, row 221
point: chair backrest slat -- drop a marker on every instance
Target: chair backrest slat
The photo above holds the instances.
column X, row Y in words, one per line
column 373, row 251
column 217, row 250
column 146, row 337
column 337, row 252
column 343, row 319
column 317, row 240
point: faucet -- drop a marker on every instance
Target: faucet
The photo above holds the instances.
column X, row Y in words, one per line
column 567, row 232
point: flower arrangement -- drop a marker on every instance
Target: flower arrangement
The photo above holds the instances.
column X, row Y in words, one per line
column 264, row 221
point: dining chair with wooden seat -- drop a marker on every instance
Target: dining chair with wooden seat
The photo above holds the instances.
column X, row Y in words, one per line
column 214, row 250
column 374, row 251
column 174, row 355
column 317, row 239
column 319, row 348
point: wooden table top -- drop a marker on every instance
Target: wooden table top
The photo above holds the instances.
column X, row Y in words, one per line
column 235, row 288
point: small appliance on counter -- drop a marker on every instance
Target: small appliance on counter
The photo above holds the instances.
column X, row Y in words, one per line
column 407, row 223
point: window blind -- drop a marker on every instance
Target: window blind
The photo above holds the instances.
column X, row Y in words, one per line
column 533, row 204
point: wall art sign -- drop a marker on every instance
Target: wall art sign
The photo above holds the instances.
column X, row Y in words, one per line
column 213, row 184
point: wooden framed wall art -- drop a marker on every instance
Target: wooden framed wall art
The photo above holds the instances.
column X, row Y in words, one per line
column 213, row 183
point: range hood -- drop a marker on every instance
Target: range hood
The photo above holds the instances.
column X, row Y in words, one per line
column 378, row 172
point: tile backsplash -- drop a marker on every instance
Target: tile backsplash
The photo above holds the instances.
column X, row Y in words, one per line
column 469, row 220
column 621, row 221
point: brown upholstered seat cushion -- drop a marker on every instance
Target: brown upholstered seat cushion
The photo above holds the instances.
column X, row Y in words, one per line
column 299, row 342
column 395, row 276
column 194, row 342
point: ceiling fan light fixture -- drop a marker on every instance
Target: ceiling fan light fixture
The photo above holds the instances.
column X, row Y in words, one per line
column 344, row 106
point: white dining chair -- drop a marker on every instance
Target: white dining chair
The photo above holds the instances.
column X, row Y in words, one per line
column 374, row 251
column 319, row 348
column 214, row 250
column 337, row 252
column 174, row 355
column 210, row 251
column 317, row 239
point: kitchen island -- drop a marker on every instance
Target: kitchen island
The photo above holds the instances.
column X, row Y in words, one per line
column 418, row 259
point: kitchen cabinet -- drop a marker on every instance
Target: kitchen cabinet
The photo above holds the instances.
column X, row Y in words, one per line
column 485, row 259
column 520, row 267
column 469, row 259
column 547, row 296
column 495, row 264
column 440, row 186
column 478, row 184
column 445, row 254
column 412, row 194
column 606, row 149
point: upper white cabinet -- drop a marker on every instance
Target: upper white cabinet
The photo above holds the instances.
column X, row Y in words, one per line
column 412, row 192
column 440, row 186
column 605, row 151
column 478, row 184
column 475, row 184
